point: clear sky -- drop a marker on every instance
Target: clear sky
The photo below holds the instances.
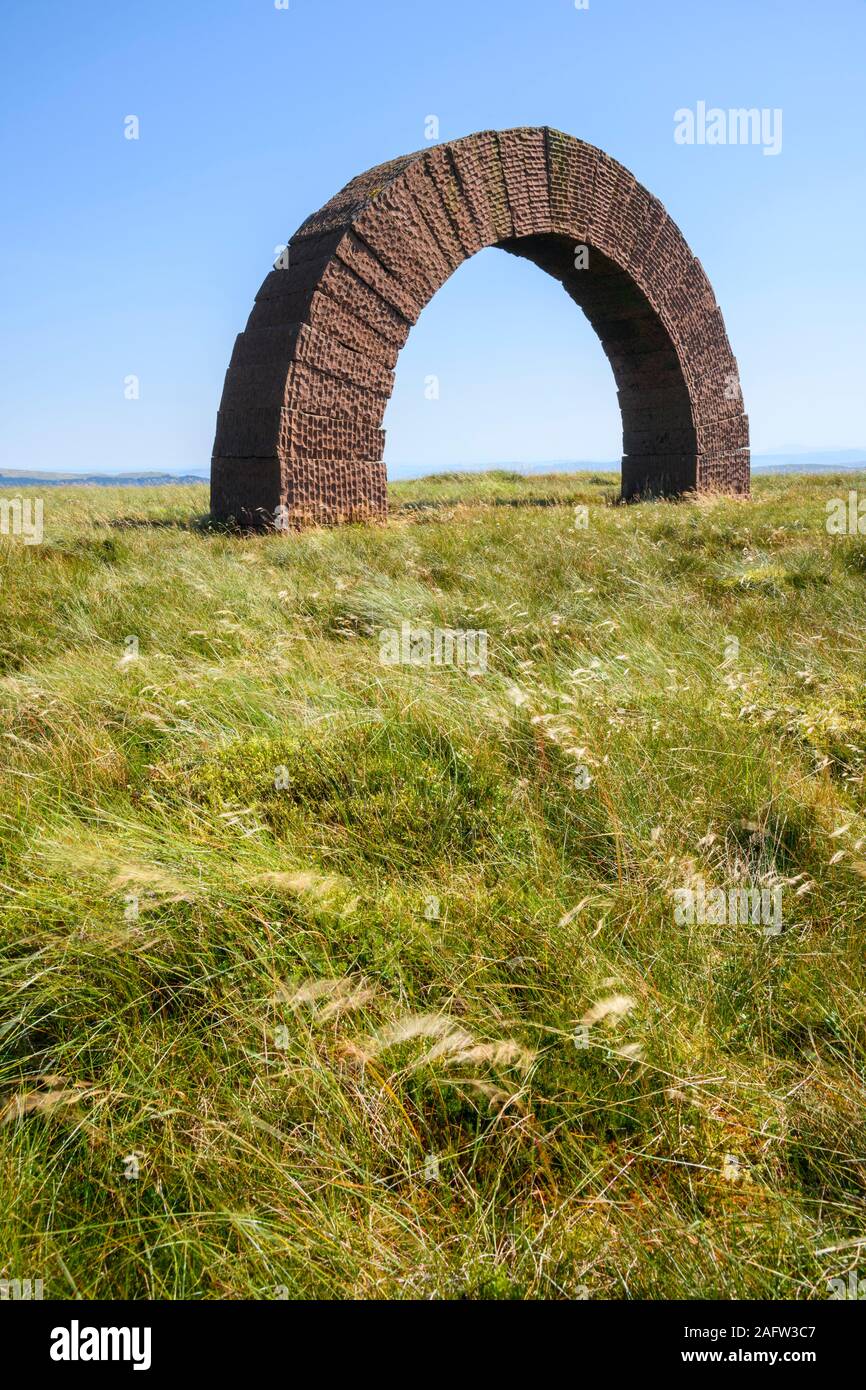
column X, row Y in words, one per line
column 141, row 257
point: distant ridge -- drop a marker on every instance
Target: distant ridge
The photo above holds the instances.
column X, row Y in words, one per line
column 809, row 461
column 12, row 477
column 854, row 467
column 828, row 461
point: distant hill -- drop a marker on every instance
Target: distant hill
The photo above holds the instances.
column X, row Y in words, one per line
column 12, row 477
column 767, row 467
column 828, row 461
column 809, row 461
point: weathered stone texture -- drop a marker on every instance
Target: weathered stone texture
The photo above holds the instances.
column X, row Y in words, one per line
column 299, row 434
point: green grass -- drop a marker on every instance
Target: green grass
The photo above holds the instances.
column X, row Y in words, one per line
column 359, row 1034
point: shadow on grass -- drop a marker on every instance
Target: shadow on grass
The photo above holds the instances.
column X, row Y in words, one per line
column 202, row 524
column 440, row 504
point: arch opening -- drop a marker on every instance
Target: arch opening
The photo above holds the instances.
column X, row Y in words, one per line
column 500, row 371
column 659, row 441
column 299, row 430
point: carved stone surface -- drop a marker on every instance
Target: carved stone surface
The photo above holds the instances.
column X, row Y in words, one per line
column 299, row 432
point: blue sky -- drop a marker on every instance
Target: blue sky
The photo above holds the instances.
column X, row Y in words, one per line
column 142, row 257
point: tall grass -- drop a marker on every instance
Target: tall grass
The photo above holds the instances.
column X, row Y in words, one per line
column 419, row 1021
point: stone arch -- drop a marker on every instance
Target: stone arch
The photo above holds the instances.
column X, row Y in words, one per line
column 300, row 422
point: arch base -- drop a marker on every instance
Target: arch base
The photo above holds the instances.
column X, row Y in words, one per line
column 269, row 494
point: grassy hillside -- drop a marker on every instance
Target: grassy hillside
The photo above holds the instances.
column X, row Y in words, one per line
column 419, row 1020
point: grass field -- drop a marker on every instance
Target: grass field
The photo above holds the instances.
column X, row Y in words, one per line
column 328, row 978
